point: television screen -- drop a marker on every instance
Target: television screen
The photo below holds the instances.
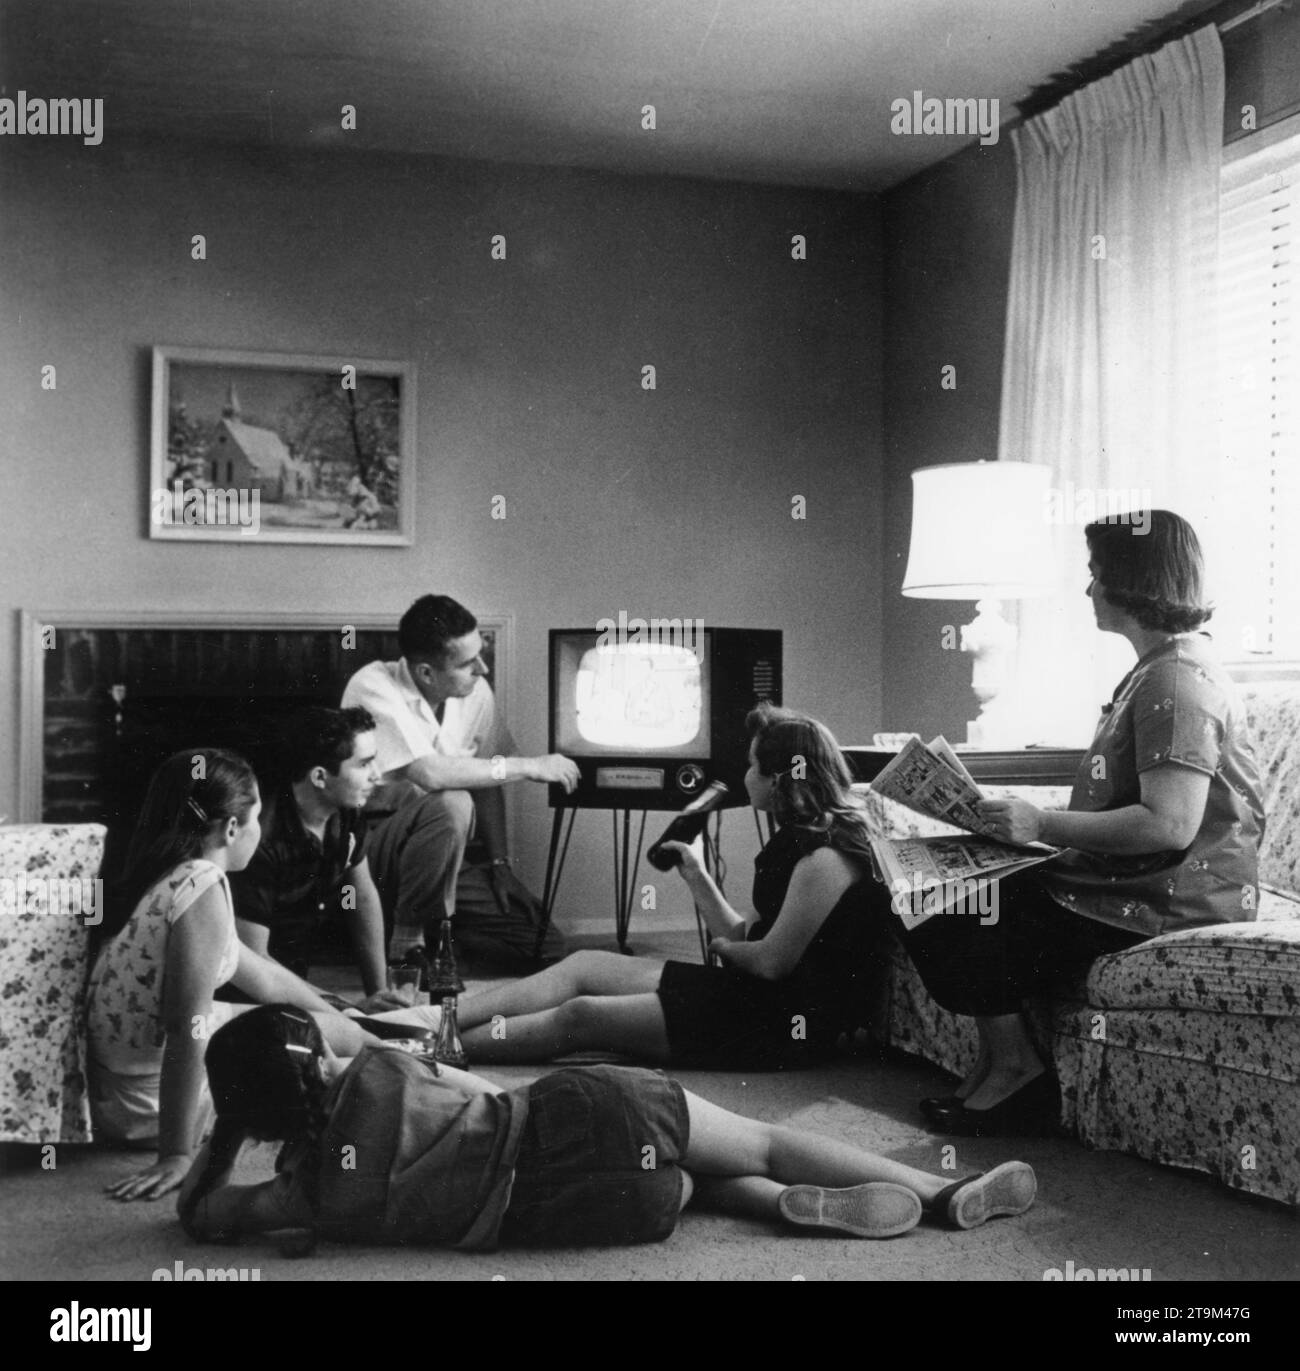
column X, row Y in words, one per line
column 630, row 699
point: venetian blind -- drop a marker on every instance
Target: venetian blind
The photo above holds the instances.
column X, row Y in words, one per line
column 1255, row 553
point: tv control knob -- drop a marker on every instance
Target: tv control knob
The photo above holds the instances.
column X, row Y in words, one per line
column 689, row 778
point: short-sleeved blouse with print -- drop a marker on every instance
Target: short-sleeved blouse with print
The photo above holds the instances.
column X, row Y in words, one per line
column 1177, row 705
column 124, row 1015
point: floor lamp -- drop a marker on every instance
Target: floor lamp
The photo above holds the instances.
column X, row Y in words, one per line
column 981, row 531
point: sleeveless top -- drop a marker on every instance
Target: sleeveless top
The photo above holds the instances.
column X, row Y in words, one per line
column 832, row 975
column 124, row 1011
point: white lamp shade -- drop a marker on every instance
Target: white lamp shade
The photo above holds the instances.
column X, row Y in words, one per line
column 980, row 531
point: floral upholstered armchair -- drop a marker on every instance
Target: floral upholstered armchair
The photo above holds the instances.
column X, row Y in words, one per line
column 47, row 883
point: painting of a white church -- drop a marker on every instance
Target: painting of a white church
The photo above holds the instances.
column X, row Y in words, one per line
column 322, row 448
column 244, row 457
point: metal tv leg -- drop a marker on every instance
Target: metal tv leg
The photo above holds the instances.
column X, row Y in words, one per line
column 554, row 870
column 625, row 874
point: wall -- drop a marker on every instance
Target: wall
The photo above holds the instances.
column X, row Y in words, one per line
column 947, row 254
column 947, row 237
column 674, row 502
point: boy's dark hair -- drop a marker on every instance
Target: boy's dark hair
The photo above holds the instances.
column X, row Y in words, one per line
column 1149, row 564
column 429, row 625
column 322, row 737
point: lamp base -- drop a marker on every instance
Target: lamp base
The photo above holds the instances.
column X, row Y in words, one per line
column 990, row 640
column 993, row 735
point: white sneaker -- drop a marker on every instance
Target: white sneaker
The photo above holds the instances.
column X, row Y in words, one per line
column 877, row 1209
column 1008, row 1189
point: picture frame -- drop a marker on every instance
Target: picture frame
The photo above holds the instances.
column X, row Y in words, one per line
column 281, row 448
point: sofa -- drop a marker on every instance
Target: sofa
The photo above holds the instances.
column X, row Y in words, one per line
column 1184, row 1050
column 44, row 957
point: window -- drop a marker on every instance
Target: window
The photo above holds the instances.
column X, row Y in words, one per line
column 1255, row 553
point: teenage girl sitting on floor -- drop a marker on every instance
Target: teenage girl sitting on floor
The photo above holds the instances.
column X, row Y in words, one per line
column 807, row 958
column 390, row 1149
column 169, row 942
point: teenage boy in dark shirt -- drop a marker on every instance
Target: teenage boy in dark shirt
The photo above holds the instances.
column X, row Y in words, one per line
column 312, row 857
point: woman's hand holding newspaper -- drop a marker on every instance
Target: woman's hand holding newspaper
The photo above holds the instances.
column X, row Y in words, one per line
column 1012, row 821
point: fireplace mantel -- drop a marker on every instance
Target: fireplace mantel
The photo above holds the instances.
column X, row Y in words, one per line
column 34, row 623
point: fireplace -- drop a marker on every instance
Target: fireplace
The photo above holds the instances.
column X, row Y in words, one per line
column 106, row 697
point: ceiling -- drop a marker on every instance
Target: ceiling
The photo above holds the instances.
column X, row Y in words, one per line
column 794, row 92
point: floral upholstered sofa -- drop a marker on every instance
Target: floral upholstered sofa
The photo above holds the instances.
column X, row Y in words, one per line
column 1185, row 1049
column 45, row 873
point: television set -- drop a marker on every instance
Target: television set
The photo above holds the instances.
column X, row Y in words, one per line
column 651, row 716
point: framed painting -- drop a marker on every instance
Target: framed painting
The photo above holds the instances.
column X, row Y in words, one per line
column 269, row 447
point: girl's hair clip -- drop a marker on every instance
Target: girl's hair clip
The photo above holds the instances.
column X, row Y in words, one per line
column 197, row 810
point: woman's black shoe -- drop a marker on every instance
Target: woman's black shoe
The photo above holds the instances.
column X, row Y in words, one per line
column 1034, row 1108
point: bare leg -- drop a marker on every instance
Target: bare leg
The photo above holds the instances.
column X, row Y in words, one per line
column 975, row 1078
column 629, row 1024
column 345, row 1036
column 749, row 1167
column 755, row 1196
column 727, row 1144
column 582, row 973
column 1013, row 1062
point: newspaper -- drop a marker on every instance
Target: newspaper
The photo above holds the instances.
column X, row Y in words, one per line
column 923, row 779
column 932, row 876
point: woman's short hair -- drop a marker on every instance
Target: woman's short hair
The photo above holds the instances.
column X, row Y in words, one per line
column 1149, row 564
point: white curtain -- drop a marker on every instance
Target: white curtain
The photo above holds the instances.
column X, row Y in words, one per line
column 1109, row 370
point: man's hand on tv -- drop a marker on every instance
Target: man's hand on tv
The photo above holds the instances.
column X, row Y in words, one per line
column 556, row 770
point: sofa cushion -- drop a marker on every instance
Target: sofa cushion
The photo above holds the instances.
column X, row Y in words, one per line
column 1224, row 969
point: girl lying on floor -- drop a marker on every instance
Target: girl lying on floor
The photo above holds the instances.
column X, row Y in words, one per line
column 793, row 979
column 391, row 1149
column 169, row 942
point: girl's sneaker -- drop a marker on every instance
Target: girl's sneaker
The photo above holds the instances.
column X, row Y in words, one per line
column 878, row 1209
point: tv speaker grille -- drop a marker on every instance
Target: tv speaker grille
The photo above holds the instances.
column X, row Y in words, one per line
column 764, row 680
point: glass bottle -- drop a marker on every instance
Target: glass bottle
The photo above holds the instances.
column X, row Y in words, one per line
column 445, row 985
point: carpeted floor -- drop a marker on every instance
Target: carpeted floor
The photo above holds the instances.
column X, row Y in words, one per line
column 1095, row 1209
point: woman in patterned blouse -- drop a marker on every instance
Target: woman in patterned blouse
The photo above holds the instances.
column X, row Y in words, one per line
column 1162, row 829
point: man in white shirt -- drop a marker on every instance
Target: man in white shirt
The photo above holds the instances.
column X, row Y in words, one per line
column 445, row 757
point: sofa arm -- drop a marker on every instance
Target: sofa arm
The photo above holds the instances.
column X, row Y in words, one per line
column 1242, row 968
column 47, row 874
